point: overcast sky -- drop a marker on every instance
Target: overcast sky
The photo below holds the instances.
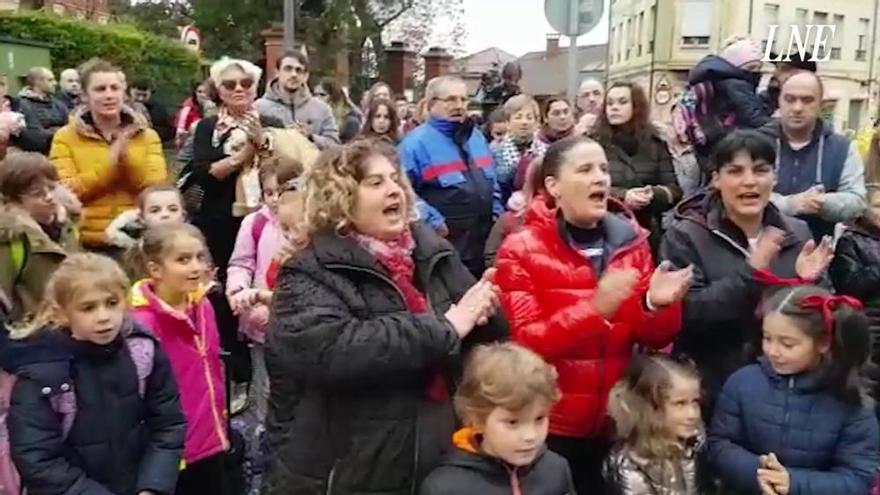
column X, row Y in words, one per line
column 517, row 26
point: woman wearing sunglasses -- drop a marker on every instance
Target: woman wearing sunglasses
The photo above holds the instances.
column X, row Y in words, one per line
column 225, row 149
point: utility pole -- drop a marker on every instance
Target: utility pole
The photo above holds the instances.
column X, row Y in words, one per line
column 289, row 23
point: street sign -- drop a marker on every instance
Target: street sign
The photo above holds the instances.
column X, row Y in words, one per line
column 588, row 14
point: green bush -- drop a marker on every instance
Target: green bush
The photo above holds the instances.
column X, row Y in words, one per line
column 173, row 68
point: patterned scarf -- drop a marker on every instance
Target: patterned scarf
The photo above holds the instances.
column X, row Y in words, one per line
column 508, row 155
column 227, row 121
column 396, row 257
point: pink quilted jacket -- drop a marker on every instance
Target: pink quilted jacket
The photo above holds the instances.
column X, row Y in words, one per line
column 192, row 343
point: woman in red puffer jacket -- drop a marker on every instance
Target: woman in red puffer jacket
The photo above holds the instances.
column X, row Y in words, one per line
column 579, row 287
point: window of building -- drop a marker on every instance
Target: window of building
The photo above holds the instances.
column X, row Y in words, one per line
column 855, row 114
column 652, row 16
column 771, row 18
column 837, row 40
column 695, row 19
column 862, row 48
column 835, row 53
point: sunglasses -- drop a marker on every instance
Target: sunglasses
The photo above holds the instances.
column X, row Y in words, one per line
column 245, row 84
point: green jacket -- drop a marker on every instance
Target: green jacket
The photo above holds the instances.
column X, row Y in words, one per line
column 28, row 258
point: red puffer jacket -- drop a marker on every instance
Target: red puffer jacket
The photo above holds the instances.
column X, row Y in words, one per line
column 546, row 291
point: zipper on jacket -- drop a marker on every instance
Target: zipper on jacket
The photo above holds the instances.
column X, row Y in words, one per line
column 415, row 471
column 789, row 389
column 331, row 479
column 201, row 344
column 733, row 243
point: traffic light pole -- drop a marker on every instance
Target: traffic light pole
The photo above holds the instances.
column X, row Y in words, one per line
column 289, row 23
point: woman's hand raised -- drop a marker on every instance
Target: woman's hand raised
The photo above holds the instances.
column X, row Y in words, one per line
column 476, row 306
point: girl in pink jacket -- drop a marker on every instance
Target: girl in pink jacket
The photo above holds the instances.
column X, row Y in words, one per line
column 259, row 241
column 173, row 303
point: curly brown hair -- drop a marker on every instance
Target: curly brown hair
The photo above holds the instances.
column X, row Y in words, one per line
column 331, row 186
column 640, row 123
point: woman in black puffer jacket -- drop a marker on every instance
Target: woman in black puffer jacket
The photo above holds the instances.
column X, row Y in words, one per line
column 371, row 317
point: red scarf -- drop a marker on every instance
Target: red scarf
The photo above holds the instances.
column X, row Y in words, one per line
column 396, row 257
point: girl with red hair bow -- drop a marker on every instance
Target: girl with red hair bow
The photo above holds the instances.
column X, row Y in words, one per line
column 799, row 422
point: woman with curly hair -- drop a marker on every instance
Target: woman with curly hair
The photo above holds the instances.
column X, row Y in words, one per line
column 372, row 315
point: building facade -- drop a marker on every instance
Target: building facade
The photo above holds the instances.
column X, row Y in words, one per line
column 96, row 10
column 656, row 42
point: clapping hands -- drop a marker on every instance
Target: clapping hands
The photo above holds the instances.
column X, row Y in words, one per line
column 476, row 306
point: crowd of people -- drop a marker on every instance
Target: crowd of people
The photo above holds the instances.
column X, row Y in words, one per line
column 564, row 297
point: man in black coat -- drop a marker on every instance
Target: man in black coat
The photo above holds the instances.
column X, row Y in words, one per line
column 42, row 112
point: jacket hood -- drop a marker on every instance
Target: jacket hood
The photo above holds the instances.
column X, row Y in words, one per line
column 773, row 129
column 30, row 94
column 806, row 382
column 706, row 210
column 49, row 347
column 143, row 296
column 275, row 95
column 467, row 455
column 862, row 226
column 714, row 68
column 15, row 222
column 85, row 125
column 620, row 225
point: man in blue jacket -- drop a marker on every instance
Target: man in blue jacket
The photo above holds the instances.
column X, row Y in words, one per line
column 450, row 166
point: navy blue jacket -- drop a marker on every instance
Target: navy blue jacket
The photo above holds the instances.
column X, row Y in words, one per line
column 119, row 444
column 828, row 447
column 735, row 89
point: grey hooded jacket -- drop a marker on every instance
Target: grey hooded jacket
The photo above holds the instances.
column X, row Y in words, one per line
column 301, row 108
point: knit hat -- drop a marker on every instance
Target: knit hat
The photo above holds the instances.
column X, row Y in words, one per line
column 741, row 52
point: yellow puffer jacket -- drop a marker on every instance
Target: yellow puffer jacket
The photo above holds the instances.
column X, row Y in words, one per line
column 82, row 157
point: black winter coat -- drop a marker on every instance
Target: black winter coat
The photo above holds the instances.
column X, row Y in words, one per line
column 44, row 117
column 466, row 473
column 735, row 91
column 855, row 271
column 638, row 163
column 119, row 444
column 349, row 366
column 720, row 330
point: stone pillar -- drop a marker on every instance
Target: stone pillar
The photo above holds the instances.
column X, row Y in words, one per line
column 274, row 44
column 437, row 62
column 399, row 67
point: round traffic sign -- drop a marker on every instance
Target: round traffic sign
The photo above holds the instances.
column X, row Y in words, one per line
column 589, row 13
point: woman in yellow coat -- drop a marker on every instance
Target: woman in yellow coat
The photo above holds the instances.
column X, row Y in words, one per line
column 106, row 154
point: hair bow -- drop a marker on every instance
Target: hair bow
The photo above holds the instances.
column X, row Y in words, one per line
column 827, row 304
column 767, row 277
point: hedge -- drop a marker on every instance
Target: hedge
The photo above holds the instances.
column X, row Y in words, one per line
column 172, row 67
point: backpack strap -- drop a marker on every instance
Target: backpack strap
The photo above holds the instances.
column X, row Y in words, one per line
column 257, row 228
column 142, row 351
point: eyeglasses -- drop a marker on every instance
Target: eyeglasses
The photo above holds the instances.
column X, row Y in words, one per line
column 245, row 84
column 454, row 99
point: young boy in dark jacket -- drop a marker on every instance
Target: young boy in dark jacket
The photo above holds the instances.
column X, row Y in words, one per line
column 505, row 401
